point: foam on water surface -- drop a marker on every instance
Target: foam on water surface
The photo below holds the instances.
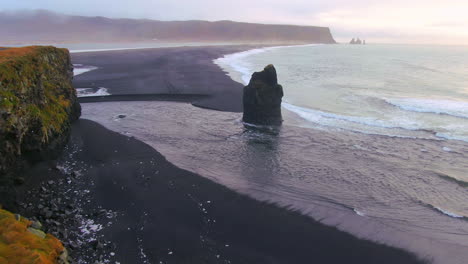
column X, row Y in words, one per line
column 237, row 61
column 80, row 69
column 87, row 92
column 445, row 212
column 435, row 106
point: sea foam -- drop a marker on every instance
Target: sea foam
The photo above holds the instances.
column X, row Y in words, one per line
column 237, row 61
column 80, row 69
column 435, row 106
column 445, row 212
column 388, row 122
column 354, row 123
column 359, row 212
column 86, row 92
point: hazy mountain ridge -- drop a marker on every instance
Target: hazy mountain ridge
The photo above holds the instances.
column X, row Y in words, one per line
column 48, row 27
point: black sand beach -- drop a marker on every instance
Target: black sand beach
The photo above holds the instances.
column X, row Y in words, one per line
column 118, row 200
column 186, row 70
column 163, row 213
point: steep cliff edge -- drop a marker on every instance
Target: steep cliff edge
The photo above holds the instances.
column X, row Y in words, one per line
column 37, row 105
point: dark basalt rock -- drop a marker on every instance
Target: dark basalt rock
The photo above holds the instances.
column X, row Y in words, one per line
column 262, row 99
column 357, row 41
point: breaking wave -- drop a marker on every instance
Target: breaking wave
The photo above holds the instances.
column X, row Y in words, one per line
column 238, row 63
column 86, row 92
column 80, row 69
column 435, row 106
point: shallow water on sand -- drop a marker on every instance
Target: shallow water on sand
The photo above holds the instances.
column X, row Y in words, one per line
column 410, row 193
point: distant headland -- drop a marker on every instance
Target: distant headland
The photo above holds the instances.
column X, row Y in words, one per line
column 48, row 27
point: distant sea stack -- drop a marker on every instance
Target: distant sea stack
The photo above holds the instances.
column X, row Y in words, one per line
column 48, row 27
column 357, row 41
column 37, row 105
column 262, row 98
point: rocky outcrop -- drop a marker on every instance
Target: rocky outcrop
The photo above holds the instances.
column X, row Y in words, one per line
column 37, row 105
column 262, row 98
column 357, row 41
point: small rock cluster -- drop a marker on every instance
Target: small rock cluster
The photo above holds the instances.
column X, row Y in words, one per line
column 62, row 206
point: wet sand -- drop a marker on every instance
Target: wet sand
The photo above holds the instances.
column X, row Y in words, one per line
column 375, row 187
column 163, row 213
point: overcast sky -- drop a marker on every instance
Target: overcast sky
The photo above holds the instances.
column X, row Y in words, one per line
column 397, row 21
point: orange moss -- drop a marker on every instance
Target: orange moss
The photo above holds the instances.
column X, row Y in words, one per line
column 12, row 53
column 20, row 246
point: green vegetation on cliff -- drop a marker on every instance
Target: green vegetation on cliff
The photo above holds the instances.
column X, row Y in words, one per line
column 37, row 105
column 37, row 102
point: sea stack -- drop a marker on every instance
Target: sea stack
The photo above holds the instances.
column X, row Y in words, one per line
column 262, row 99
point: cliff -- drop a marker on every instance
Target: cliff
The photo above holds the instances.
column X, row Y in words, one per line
column 37, row 105
column 48, row 27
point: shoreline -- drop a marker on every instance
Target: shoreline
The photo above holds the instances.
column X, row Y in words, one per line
column 217, row 147
column 180, row 71
column 240, row 71
column 359, row 147
column 245, row 76
column 150, row 200
column 105, row 162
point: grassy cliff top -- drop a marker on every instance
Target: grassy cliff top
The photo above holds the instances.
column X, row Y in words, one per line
column 35, row 85
column 9, row 54
column 12, row 54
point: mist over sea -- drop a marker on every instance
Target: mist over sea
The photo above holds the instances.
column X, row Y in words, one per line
column 374, row 141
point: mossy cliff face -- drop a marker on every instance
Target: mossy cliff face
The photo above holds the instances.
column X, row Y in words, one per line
column 21, row 242
column 37, row 104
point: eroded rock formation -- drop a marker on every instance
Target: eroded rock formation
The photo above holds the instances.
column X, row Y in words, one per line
column 37, row 105
column 357, row 41
column 262, row 98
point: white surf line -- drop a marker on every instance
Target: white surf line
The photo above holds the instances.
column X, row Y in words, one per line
column 445, row 212
column 82, row 69
column 359, row 212
column 233, row 60
column 83, row 92
column 234, row 64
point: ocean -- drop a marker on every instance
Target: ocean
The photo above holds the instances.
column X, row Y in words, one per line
column 395, row 90
column 374, row 141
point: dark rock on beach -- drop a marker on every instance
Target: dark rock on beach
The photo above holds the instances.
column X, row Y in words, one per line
column 262, row 98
